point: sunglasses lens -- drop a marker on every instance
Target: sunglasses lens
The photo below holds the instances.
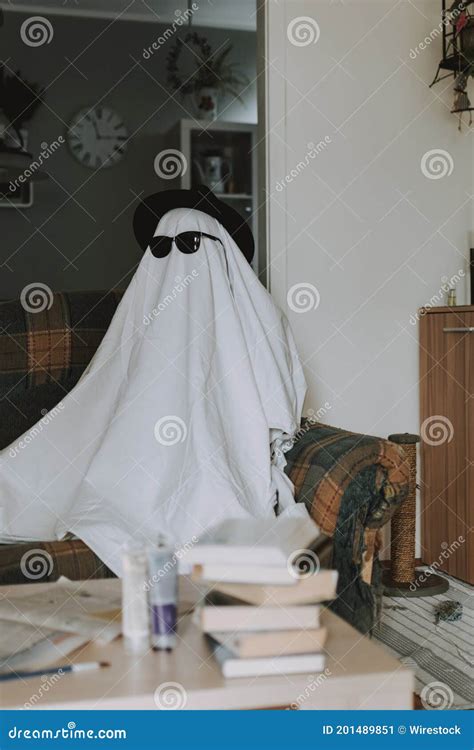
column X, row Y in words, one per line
column 161, row 246
column 188, row 242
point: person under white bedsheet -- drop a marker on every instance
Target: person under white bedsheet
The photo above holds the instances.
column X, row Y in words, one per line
column 179, row 419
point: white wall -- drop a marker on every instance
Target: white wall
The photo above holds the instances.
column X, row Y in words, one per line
column 361, row 222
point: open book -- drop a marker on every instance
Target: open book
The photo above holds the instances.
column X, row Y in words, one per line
column 39, row 628
column 253, row 542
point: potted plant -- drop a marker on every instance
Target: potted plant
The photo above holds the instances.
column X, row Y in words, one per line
column 212, row 75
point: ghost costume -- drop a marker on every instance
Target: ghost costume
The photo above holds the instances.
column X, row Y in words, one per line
column 180, row 418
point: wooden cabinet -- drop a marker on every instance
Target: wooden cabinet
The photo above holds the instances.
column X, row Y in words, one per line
column 447, row 439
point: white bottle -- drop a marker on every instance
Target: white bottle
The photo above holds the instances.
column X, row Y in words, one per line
column 135, row 619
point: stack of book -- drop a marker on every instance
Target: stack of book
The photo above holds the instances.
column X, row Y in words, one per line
column 261, row 614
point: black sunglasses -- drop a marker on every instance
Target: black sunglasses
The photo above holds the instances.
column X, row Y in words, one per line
column 186, row 242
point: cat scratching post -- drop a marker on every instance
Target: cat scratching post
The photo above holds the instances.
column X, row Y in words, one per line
column 403, row 579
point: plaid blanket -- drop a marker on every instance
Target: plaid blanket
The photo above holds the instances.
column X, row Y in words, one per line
column 351, row 485
column 43, row 353
column 47, row 561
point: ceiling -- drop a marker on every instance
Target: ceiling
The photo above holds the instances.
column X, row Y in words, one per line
column 228, row 14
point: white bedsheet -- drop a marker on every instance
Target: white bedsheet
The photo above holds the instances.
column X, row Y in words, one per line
column 172, row 426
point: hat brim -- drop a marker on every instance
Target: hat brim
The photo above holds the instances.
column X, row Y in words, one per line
column 151, row 209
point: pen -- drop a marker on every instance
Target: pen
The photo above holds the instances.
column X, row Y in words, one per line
column 84, row 667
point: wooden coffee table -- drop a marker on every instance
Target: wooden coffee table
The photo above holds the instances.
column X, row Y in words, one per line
column 359, row 675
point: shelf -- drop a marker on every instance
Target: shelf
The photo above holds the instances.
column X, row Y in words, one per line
column 235, row 142
column 234, row 196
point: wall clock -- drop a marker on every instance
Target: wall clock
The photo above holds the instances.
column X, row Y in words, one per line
column 97, row 137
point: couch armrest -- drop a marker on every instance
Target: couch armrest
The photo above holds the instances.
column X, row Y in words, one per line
column 351, row 484
column 28, row 562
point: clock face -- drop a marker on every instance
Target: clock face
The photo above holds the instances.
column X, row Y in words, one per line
column 97, row 137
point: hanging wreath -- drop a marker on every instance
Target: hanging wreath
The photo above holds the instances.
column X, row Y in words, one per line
column 211, row 69
column 176, row 81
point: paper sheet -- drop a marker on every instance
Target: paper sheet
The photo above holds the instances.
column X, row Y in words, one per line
column 28, row 617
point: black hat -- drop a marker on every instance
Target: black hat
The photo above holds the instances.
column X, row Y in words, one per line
column 151, row 209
